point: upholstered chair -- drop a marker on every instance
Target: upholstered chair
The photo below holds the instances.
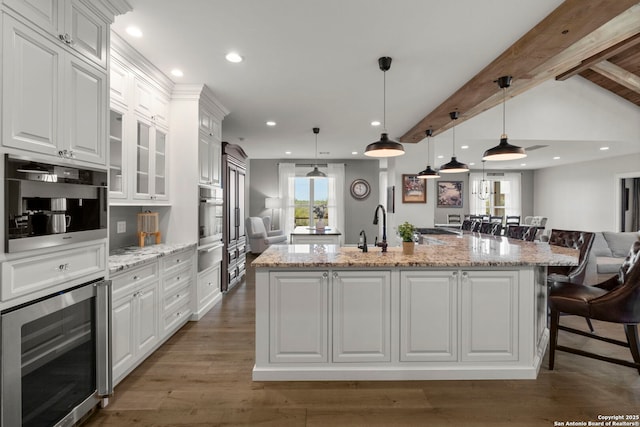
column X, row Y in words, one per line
column 260, row 237
column 616, row 300
column 494, row 228
column 581, row 240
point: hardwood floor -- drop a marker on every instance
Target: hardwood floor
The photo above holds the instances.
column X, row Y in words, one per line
column 202, row 377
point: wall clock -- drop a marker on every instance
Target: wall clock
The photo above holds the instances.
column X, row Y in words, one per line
column 360, row 189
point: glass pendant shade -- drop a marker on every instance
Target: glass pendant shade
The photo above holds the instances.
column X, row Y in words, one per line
column 316, row 172
column 454, row 166
column 504, row 150
column 428, row 173
column 384, row 148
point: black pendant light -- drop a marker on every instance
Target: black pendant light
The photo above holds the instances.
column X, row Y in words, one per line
column 504, row 150
column 428, row 173
column 385, row 147
column 316, row 172
column 454, row 166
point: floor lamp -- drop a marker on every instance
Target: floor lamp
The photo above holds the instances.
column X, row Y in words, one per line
column 272, row 203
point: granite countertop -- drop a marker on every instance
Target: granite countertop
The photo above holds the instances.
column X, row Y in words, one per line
column 123, row 258
column 464, row 250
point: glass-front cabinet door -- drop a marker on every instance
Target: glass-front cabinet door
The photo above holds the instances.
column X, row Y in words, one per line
column 117, row 158
column 160, row 166
column 143, row 161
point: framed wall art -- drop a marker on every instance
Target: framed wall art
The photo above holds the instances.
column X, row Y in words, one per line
column 414, row 189
column 450, row 194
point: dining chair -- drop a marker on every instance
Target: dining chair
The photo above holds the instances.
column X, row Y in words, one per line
column 512, row 220
column 521, row 232
column 453, row 219
column 494, row 228
column 616, row 300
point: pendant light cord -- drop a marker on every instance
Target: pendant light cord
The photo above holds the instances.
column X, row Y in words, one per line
column 384, row 101
column 453, row 143
column 504, row 109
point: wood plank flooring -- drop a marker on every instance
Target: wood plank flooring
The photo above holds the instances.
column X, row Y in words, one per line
column 202, row 377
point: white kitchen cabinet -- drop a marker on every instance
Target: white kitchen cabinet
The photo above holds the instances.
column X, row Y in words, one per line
column 70, row 23
column 135, row 329
column 489, row 317
column 151, row 163
column 118, row 180
column 209, row 159
column 141, row 94
column 53, row 102
column 361, row 316
column 428, row 316
column 207, row 291
column 298, row 321
column 178, row 280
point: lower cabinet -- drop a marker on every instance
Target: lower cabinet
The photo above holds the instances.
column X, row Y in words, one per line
column 149, row 303
column 360, row 312
column 134, row 320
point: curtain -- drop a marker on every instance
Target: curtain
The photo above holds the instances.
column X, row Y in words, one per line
column 476, row 206
column 513, row 204
column 335, row 204
column 635, row 205
column 286, row 175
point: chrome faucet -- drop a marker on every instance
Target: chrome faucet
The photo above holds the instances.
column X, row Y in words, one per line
column 382, row 244
column 362, row 244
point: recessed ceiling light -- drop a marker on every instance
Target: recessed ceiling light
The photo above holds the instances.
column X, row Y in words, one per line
column 464, row 147
column 375, row 123
column 271, row 123
column 177, row 73
column 604, row 148
column 441, row 157
column 471, row 164
column 234, row 57
column 134, row 31
column 354, row 152
column 523, row 164
column 556, row 158
column 287, row 152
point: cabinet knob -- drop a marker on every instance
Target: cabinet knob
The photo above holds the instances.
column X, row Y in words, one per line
column 62, row 267
column 335, row 274
column 325, row 275
column 135, row 277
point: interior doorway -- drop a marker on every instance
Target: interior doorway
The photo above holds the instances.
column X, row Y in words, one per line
column 628, row 202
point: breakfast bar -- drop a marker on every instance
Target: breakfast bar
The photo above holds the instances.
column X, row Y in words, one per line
column 463, row 306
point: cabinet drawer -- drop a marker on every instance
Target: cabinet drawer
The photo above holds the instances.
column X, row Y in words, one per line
column 177, row 297
column 177, row 279
column 174, row 317
column 124, row 282
column 27, row 275
column 176, row 261
column 208, row 284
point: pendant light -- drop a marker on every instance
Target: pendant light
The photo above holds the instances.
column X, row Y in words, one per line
column 428, row 173
column 454, row 166
column 484, row 190
column 316, row 172
column 504, row 150
column 385, row 147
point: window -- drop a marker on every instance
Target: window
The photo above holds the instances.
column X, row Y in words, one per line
column 311, row 199
column 505, row 199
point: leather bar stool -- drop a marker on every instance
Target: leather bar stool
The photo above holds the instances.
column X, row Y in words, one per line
column 615, row 300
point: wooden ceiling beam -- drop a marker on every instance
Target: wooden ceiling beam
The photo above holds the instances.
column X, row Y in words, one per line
column 618, row 75
column 600, row 56
column 573, row 31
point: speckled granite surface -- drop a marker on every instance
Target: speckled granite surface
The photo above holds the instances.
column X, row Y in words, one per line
column 468, row 250
column 131, row 256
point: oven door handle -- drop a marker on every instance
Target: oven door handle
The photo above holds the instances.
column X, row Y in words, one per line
column 103, row 338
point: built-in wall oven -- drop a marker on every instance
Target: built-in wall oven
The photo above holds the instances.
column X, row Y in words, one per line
column 50, row 204
column 210, row 215
column 55, row 357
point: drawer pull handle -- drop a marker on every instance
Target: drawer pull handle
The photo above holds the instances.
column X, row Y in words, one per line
column 177, row 296
column 178, row 261
column 135, row 277
column 177, row 277
column 62, row 267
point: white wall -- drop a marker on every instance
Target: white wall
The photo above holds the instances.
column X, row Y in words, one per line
column 582, row 196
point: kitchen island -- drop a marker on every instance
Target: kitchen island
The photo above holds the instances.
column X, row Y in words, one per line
column 463, row 306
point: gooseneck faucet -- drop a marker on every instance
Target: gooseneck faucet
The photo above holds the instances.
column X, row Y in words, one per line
column 362, row 244
column 382, row 244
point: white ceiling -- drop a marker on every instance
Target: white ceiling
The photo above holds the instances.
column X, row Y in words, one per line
column 313, row 63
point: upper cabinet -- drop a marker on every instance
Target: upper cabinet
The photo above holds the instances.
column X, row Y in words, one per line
column 55, row 97
column 72, row 22
column 139, row 137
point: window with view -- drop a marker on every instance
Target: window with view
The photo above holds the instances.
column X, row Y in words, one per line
column 504, row 198
column 311, row 197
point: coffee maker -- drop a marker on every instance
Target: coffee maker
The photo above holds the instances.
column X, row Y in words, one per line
column 59, row 221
